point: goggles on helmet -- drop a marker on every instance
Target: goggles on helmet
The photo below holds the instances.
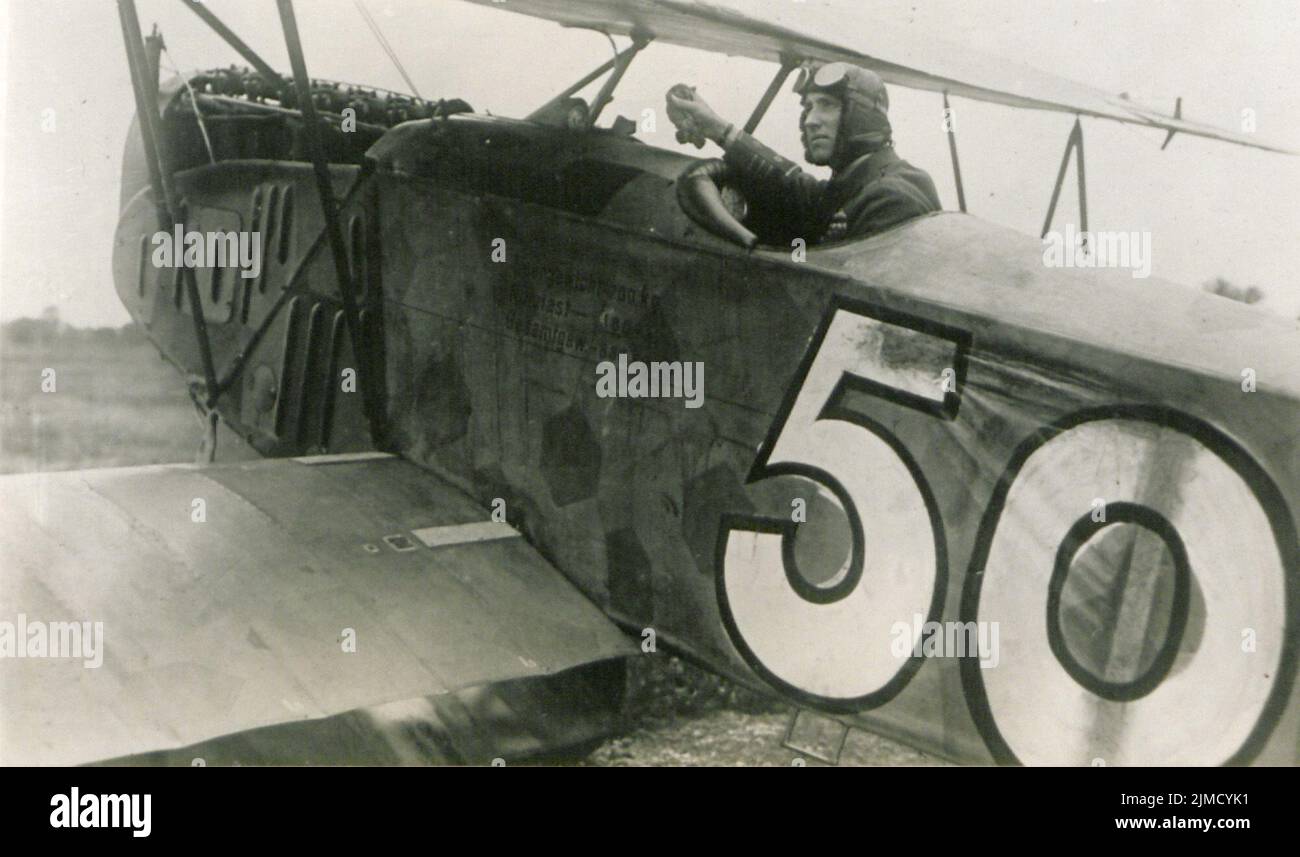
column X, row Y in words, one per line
column 826, row 76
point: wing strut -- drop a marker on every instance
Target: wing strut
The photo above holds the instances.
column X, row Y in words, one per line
column 788, row 64
column 621, row 63
column 952, row 149
column 219, row 27
column 1178, row 114
column 570, row 90
column 329, row 206
column 1073, row 144
column 160, row 178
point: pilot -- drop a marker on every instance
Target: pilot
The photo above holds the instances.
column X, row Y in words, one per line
column 844, row 125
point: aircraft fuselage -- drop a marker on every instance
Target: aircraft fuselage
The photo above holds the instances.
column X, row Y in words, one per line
column 879, row 425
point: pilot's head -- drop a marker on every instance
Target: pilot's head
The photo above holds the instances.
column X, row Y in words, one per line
column 845, row 113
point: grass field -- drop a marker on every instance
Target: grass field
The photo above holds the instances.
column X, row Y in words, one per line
column 113, row 402
column 116, row 403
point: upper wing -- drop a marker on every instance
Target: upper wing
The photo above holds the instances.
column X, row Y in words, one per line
column 243, row 595
column 896, row 54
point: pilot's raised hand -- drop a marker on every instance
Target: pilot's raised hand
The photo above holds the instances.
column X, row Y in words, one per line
column 694, row 118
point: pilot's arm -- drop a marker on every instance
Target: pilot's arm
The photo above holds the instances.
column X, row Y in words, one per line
column 777, row 184
column 771, row 181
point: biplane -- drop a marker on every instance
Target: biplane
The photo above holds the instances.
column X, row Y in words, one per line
column 416, row 531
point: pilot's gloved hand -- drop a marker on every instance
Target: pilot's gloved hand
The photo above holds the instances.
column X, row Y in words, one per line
column 695, row 119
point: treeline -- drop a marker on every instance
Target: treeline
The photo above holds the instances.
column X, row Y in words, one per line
column 1220, row 286
column 1245, row 294
column 50, row 331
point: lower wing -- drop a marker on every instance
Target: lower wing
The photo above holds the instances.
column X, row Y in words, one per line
column 151, row 608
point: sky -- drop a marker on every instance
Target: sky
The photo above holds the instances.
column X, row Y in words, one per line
column 1212, row 209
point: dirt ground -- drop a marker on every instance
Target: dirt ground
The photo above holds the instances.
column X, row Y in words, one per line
column 735, row 738
column 682, row 716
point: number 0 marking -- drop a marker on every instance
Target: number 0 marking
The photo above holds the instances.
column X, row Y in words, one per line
column 1217, row 704
column 830, row 644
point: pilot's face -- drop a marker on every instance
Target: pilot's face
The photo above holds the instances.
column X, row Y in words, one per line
column 820, row 124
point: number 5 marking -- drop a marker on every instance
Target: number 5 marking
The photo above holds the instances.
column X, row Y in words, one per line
column 830, row 644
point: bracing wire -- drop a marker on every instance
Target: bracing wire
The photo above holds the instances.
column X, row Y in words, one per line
column 387, row 48
column 194, row 102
